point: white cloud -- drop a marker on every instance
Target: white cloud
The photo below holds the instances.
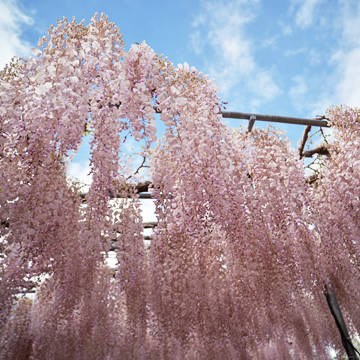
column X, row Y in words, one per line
column 343, row 84
column 295, row 52
column 286, row 29
column 312, row 55
column 298, row 91
column 270, row 42
column 264, row 84
column 229, row 55
column 12, row 20
column 196, row 42
column 348, row 88
column 80, row 172
column 349, row 19
column 348, row 57
column 306, row 12
column 338, row 80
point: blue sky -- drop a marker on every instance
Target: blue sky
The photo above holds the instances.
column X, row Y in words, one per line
column 293, row 58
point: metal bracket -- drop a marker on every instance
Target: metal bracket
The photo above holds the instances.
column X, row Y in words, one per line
column 251, row 122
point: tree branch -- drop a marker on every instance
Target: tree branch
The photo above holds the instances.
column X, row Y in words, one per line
column 137, row 170
column 321, row 150
column 142, row 187
column 304, row 139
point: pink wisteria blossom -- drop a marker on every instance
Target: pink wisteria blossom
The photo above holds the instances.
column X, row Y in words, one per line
column 244, row 246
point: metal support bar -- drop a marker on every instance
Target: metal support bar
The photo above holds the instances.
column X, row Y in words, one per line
column 251, row 122
column 275, row 118
column 319, row 121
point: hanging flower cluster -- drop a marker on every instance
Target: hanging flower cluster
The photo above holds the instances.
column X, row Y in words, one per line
column 243, row 248
column 337, row 199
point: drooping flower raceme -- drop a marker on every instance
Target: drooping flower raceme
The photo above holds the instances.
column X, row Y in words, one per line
column 243, row 248
column 337, row 198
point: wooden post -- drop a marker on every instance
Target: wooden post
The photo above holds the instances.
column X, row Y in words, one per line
column 334, row 307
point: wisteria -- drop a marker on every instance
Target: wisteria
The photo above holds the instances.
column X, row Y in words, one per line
column 245, row 248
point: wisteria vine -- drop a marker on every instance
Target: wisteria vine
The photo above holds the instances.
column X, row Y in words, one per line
column 244, row 246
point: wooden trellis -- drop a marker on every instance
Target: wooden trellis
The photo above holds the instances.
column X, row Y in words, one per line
column 320, row 121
